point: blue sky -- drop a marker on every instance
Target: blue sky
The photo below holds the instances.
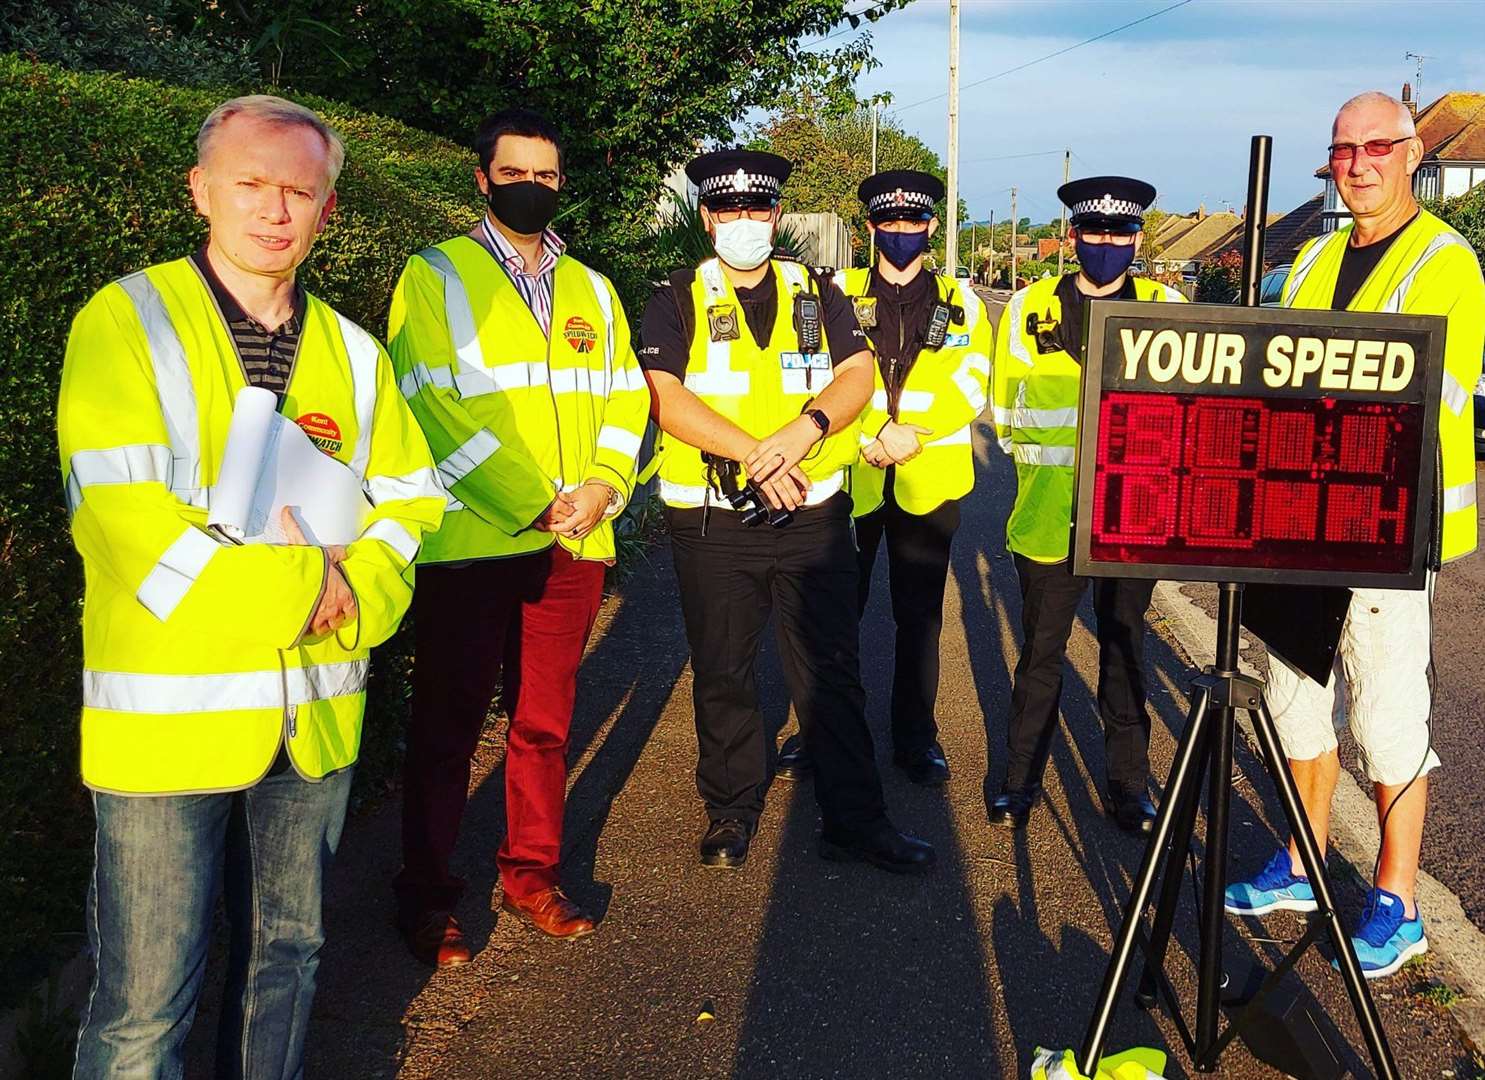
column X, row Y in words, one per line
column 1173, row 100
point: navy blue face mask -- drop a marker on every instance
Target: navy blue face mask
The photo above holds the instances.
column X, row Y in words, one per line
column 1103, row 263
column 901, row 248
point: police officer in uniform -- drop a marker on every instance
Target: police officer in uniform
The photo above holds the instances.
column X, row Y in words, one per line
column 1039, row 352
column 932, row 342
column 759, row 373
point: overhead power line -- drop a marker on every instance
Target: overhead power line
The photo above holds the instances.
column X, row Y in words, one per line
column 1050, row 55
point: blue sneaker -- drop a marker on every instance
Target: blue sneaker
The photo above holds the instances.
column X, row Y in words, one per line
column 1387, row 939
column 1276, row 888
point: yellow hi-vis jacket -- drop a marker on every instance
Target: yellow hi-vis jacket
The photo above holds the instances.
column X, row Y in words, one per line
column 513, row 416
column 945, row 390
column 1036, row 418
column 759, row 389
column 1429, row 270
column 194, row 666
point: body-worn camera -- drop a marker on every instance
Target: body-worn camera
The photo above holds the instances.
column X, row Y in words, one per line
column 747, row 500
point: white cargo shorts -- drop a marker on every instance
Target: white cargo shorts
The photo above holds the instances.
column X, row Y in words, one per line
column 1382, row 663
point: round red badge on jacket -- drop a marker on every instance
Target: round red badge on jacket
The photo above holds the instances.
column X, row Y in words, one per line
column 322, row 430
column 580, row 334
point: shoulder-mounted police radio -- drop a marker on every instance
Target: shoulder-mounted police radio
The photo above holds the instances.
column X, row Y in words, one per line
column 807, row 326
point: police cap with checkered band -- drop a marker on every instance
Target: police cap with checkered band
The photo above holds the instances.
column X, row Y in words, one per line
column 1107, row 203
column 726, row 179
column 900, row 195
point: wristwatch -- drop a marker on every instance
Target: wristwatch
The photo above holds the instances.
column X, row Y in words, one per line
column 820, row 420
column 615, row 500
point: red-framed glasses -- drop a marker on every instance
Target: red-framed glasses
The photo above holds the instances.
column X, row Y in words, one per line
column 1345, row 151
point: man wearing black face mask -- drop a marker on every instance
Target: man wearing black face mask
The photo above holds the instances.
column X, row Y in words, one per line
column 932, row 341
column 1039, row 353
column 515, row 360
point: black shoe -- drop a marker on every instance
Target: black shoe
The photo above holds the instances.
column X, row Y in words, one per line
column 726, row 843
column 927, row 766
column 1132, row 810
column 883, row 847
column 1011, row 808
column 793, row 763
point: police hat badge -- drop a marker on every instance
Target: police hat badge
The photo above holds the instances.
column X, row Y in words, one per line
column 722, row 318
column 866, row 311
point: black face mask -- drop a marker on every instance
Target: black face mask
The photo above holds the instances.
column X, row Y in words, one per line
column 526, row 207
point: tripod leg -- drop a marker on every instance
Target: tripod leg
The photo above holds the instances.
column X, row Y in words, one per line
column 1309, row 852
column 1184, row 771
column 1186, row 800
column 1214, row 884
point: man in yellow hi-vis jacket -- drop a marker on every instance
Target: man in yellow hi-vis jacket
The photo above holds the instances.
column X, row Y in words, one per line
column 516, row 361
column 1038, row 364
column 224, row 684
column 1394, row 257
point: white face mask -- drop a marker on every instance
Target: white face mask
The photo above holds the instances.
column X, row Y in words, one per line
column 744, row 244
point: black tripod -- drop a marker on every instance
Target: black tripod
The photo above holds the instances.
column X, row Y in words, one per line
column 1216, row 696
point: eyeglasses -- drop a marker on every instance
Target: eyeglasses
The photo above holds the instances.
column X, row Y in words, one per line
column 1345, row 151
column 752, row 213
column 1123, row 239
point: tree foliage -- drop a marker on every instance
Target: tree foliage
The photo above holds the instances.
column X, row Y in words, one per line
column 829, row 142
column 1466, row 213
column 636, row 86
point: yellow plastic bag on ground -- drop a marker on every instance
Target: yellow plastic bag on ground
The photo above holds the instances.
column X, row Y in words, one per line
column 1141, row 1063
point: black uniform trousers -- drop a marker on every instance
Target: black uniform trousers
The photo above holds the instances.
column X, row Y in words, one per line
column 731, row 580
column 1050, row 594
column 917, row 570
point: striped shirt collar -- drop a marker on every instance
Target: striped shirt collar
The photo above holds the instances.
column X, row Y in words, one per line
column 552, row 247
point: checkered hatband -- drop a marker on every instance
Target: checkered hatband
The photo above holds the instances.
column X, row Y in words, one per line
column 740, row 182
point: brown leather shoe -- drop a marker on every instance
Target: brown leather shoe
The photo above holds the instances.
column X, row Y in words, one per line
column 551, row 912
column 437, row 940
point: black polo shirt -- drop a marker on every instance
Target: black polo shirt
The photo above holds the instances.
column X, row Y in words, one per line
column 267, row 355
column 665, row 347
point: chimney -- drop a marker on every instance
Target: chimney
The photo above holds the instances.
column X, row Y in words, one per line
column 1407, row 100
column 1201, row 212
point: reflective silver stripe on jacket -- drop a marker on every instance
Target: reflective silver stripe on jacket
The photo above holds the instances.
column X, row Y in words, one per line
column 1459, row 497
column 693, row 495
column 457, row 311
column 362, row 350
column 476, row 450
column 168, row 581
column 1014, row 313
column 1036, row 454
column 128, row 692
column 395, row 535
column 1437, row 244
column 717, row 379
column 606, row 305
column 137, row 464
column 1306, row 264
column 173, row 385
column 1045, row 418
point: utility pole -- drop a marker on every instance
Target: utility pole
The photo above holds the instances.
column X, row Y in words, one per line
column 876, row 110
column 1062, row 236
column 990, row 265
column 1014, row 221
column 951, row 242
column 971, row 249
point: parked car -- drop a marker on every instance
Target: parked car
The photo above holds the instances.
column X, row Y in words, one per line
column 1480, row 417
column 962, row 272
column 1271, row 286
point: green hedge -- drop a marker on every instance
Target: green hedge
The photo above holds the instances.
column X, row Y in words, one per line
column 92, row 186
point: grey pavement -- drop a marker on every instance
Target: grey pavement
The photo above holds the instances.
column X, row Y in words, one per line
column 806, row 968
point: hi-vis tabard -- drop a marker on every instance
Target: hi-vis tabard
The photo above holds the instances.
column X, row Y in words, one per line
column 759, row 389
column 1429, row 270
column 194, row 671
column 1036, row 416
column 945, row 390
column 513, row 416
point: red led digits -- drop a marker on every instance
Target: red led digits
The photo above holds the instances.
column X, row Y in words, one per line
column 1248, row 482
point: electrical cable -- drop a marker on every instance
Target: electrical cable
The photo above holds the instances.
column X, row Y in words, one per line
column 1049, row 56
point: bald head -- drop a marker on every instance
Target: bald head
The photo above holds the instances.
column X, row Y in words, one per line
column 1376, row 109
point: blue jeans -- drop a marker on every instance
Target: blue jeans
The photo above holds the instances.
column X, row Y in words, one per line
column 161, row 862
